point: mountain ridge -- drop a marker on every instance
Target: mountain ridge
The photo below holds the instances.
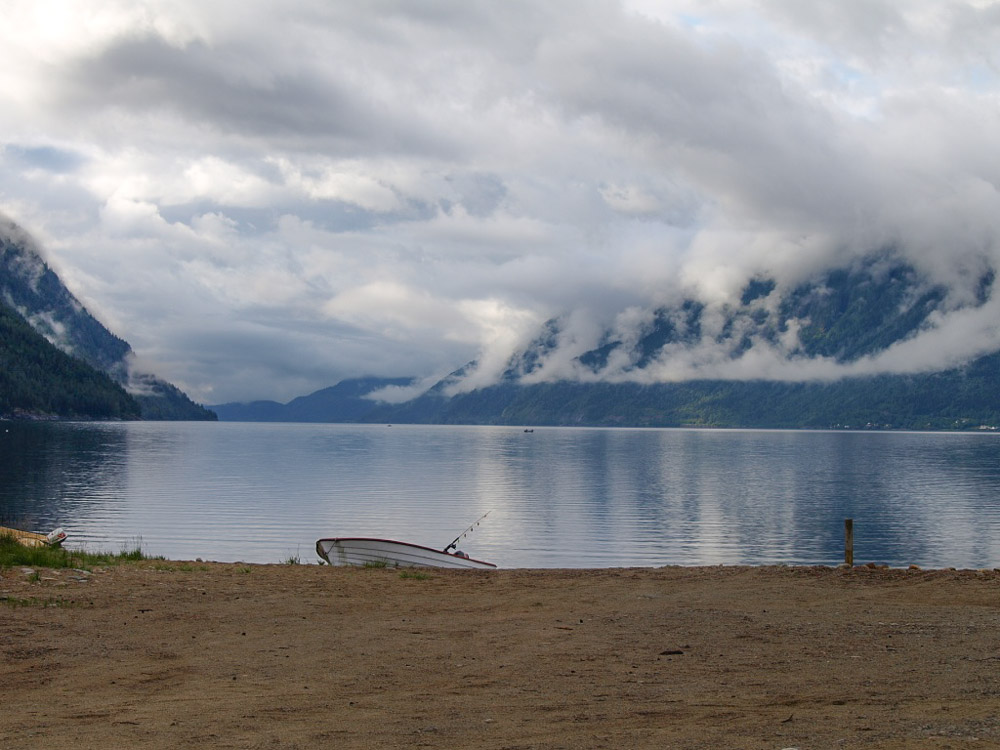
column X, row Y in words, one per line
column 965, row 398
column 832, row 322
column 32, row 290
column 824, row 338
column 348, row 400
column 38, row 380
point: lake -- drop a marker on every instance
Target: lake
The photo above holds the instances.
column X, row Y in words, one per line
column 556, row 497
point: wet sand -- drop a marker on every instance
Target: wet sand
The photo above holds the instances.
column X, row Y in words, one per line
column 170, row 654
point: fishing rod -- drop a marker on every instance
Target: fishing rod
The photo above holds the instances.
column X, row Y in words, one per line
column 469, row 530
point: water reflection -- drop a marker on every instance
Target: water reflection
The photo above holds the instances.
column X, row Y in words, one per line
column 560, row 497
column 44, row 468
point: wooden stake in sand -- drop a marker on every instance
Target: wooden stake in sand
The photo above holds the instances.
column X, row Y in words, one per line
column 849, row 541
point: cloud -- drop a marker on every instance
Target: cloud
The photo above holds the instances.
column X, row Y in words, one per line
column 265, row 198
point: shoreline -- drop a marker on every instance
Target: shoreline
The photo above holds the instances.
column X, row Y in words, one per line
column 979, row 428
column 165, row 654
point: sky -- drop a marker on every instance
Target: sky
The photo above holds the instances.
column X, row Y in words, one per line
column 264, row 198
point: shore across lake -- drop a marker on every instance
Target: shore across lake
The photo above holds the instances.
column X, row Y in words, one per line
column 163, row 654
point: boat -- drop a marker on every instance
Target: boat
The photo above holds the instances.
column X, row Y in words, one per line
column 378, row 553
column 54, row 538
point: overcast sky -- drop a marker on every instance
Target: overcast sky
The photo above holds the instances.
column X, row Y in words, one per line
column 264, row 198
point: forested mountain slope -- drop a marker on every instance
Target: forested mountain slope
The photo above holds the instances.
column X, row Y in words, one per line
column 37, row 379
column 32, row 290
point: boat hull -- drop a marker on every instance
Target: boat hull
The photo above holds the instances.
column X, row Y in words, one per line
column 367, row 552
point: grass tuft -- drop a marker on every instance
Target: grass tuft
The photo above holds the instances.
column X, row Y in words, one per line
column 414, row 575
column 14, row 553
column 179, row 567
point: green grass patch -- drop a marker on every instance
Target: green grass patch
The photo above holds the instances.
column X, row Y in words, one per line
column 14, row 553
column 414, row 575
column 377, row 564
column 182, row 567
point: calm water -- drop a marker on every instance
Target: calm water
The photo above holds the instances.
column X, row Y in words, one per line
column 558, row 497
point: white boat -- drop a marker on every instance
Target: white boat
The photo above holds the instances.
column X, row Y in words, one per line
column 388, row 553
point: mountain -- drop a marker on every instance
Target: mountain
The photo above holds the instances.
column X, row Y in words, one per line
column 345, row 402
column 816, row 346
column 957, row 399
column 961, row 398
column 807, row 355
column 37, row 379
column 30, row 288
column 837, row 318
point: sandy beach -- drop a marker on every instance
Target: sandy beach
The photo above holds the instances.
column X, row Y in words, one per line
column 171, row 654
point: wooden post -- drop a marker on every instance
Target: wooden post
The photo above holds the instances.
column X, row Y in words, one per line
column 849, row 542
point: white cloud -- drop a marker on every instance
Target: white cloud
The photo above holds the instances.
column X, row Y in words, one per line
column 396, row 309
column 388, row 188
column 631, row 200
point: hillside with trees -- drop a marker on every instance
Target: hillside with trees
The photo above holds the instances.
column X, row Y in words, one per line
column 31, row 290
column 39, row 380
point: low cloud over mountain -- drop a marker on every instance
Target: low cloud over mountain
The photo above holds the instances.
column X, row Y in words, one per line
column 879, row 315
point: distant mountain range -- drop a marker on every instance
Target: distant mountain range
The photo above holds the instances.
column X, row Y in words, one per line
column 345, row 402
column 965, row 398
column 56, row 364
column 833, row 328
column 823, row 353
